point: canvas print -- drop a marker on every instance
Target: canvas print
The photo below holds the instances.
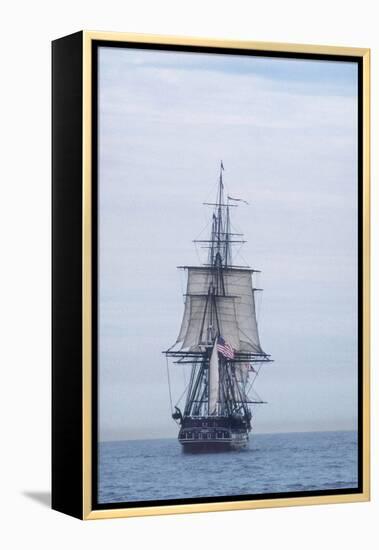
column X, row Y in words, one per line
column 228, row 291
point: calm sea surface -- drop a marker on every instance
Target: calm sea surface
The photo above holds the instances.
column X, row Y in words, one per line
column 273, row 463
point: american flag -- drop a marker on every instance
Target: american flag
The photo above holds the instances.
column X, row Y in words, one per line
column 225, row 349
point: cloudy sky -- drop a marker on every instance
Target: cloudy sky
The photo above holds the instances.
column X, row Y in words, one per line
column 286, row 132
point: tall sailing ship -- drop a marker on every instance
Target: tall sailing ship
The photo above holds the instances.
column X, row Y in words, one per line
column 219, row 339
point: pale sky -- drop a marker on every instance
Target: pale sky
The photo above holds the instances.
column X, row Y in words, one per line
column 287, row 133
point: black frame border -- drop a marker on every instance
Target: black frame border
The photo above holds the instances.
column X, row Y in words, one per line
column 67, row 254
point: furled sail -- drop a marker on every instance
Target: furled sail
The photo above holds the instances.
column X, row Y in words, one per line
column 242, row 373
column 213, row 381
column 234, row 319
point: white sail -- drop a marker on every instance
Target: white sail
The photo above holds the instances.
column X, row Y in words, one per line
column 238, row 283
column 196, row 330
column 227, row 319
column 199, row 279
column 197, row 284
column 199, row 329
column 236, row 318
column 213, row 381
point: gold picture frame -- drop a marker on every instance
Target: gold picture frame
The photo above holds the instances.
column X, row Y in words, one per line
column 73, row 56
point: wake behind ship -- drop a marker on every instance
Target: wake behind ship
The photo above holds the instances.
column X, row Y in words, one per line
column 219, row 341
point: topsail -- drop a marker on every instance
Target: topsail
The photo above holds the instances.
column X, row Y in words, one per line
column 229, row 309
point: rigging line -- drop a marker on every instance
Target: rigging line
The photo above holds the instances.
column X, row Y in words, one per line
column 252, row 382
column 258, row 307
column 211, row 192
column 254, row 377
column 239, row 253
column 185, row 383
column 257, row 397
column 235, row 227
column 169, row 384
column 198, row 253
column 208, row 223
column 181, row 279
column 246, row 336
column 185, row 377
column 182, row 395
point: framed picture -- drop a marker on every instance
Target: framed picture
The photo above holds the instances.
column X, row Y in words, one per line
column 246, row 166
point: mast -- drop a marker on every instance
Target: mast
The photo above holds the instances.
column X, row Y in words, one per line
column 215, row 362
column 219, row 214
column 220, row 249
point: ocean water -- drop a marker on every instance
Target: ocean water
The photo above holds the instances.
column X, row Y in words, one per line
column 157, row 469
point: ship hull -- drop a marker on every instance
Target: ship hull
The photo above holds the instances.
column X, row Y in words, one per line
column 212, row 446
column 210, row 434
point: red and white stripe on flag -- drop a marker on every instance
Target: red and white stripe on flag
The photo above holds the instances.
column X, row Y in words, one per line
column 224, row 348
